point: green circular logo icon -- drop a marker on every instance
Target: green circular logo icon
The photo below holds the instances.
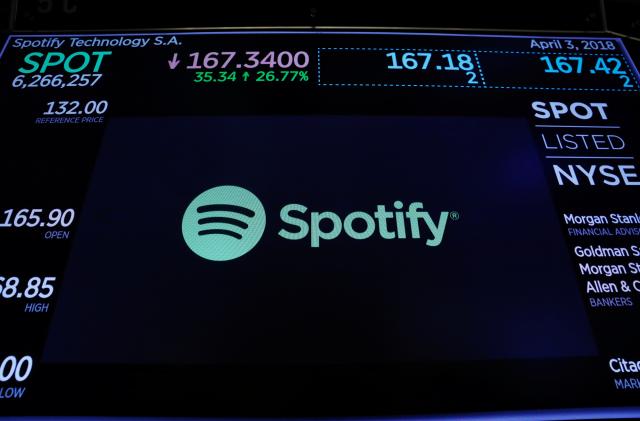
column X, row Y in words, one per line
column 223, row 223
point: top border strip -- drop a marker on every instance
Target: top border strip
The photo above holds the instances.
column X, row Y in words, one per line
column 315, row 32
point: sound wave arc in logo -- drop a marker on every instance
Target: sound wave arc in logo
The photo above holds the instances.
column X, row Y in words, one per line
column 223, row 223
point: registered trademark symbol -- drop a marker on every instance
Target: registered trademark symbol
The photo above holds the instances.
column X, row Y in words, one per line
column 454, row 215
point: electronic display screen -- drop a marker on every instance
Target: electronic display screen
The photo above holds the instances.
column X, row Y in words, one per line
column 315, row 223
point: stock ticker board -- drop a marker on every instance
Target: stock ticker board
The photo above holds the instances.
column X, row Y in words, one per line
column 318, row 223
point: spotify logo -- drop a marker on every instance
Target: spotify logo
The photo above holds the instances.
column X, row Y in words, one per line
column 223, row 223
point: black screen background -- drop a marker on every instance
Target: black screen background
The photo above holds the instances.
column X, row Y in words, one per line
column 474, row 297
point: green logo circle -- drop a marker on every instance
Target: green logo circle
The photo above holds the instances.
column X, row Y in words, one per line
column 223, row 223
